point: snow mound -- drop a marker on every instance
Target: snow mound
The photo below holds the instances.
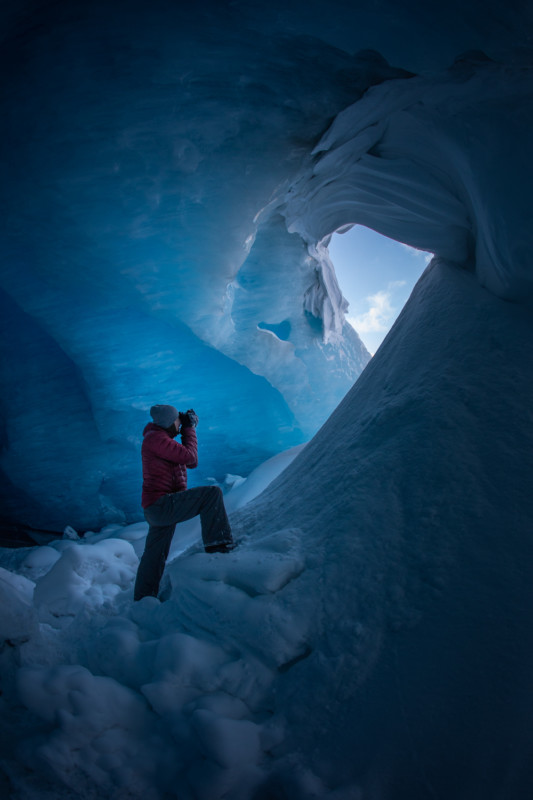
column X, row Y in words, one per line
column 100, row 731
column 158, row 701
column 84, row 577
column 18, row 618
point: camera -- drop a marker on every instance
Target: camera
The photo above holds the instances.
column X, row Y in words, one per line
column 188, row 419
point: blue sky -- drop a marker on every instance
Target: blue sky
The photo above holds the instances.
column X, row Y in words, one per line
column 376, row 276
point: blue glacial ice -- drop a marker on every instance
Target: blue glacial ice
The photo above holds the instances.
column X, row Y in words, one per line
column 173, row 177
column 143, row 263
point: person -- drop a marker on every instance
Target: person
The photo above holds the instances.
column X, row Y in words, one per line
column 166, row 499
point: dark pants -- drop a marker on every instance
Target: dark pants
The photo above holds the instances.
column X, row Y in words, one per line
column 162, row 516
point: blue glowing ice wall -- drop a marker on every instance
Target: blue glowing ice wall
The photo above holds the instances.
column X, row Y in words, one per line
column 146, row 255
column 140, row 263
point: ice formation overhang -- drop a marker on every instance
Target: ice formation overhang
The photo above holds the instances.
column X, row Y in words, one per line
column 167, row 185
column 440, row 163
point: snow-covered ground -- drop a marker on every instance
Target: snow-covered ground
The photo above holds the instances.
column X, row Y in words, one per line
column 110, row 699
column 370, row 637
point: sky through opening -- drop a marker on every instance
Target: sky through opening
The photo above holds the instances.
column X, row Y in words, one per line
column 376, row 276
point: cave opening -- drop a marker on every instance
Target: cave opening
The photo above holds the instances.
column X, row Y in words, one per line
column 376, row 275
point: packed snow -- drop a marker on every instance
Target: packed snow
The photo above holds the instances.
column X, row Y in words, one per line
column 126, row 697
column 382, row 642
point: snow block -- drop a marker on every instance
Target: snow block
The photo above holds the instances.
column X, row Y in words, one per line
column 86, row 575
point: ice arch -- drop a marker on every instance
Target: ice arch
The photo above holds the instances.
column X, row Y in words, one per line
column 393, row 657
column 427, row 163
column 146, row 160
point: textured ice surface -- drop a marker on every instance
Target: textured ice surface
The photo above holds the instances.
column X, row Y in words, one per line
column 382, row 648
column 167, row 201
column 437, row 162
column 140, row 264
column 154, row 162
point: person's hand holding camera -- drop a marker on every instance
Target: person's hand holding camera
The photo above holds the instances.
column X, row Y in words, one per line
column 188, row 419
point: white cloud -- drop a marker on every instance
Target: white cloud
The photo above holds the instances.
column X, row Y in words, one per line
column 378, row 317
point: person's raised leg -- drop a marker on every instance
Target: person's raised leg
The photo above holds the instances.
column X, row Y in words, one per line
column 208, row 502
column 216, row 530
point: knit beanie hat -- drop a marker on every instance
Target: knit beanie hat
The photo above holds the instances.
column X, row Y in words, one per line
column 164, row 416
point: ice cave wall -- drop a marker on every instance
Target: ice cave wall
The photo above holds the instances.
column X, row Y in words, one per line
column 413, row 505
column 137, row 158
column 415, row 660
column 440, row 163
column 410, row 675
column 163, row 215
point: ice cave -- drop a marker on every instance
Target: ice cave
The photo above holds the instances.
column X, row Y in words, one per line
column 172, row 175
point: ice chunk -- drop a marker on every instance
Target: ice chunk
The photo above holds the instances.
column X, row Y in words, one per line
column 260, row 569
column 39, row 561
column 184, row 667
column 86, row 575
column 210, row 592
column 102, row 730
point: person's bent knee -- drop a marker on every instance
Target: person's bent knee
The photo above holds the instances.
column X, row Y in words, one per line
column 213, row 494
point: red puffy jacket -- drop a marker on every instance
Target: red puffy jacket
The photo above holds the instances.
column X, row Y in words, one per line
column 165, row 462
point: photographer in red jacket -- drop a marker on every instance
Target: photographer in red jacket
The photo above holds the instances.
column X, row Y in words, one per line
column 166, row 499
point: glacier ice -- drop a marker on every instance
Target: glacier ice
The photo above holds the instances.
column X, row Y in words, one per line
column 154, row 240
column 422, row 160
column 141, row 263
column 170, row 196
